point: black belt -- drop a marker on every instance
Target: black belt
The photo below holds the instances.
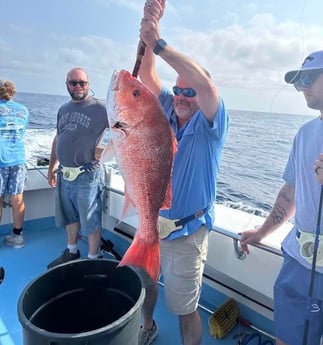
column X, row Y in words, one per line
column 197, row 214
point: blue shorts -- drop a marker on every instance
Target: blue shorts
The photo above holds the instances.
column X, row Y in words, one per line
column 292, row 306
column 80, row 201
column 12, row 180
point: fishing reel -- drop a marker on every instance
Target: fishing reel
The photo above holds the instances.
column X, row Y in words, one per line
column 307, row 247
column 307, row 252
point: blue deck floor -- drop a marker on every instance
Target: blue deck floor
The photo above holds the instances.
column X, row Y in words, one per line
column 43, row 242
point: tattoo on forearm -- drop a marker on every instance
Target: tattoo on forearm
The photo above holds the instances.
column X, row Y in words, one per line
column 278, row 214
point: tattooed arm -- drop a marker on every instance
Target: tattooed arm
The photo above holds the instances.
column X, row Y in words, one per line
column 283, row 209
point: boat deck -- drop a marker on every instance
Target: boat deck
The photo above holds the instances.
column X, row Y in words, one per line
column 43, row 242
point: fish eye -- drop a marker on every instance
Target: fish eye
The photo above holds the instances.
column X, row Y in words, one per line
column 120, row 125
column 136, row 93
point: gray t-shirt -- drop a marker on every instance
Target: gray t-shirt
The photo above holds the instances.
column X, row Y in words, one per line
column 79, row 127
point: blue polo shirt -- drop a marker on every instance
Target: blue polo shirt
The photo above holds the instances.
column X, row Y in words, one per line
column 196, row 165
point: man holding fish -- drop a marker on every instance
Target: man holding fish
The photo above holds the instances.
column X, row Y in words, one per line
column 199, row 120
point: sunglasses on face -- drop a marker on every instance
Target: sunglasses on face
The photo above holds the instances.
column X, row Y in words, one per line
column 305, row 81
column 187, row 92
column 75, row 82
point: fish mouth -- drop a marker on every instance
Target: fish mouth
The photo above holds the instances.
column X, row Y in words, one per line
column 113, row 84
column 111, row 107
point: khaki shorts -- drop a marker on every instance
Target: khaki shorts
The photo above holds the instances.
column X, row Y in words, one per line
column 182, row 265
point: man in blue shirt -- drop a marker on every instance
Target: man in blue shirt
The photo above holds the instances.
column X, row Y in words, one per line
column 199, row 120
column 299, row 197
column 13, row 122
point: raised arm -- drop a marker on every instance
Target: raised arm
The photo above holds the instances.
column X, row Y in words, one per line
column 186, row 68
column 153, row 11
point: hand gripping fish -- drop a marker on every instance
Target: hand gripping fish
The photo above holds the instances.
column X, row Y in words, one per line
column 144, row 146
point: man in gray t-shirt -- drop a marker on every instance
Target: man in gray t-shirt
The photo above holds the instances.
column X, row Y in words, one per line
column 75, row 168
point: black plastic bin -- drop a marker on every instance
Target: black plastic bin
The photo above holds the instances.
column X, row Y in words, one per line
column 84, row 302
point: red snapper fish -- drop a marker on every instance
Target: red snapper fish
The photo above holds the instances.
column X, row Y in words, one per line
column 144, row 145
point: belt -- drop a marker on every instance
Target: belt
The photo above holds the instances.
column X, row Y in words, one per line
column 71, row 173
column 197, row 214
column 306, row 241
column 168, row 226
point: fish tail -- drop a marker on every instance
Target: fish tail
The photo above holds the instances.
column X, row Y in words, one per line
column 144, row 255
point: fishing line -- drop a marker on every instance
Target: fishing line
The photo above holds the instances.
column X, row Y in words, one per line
column 301, row 25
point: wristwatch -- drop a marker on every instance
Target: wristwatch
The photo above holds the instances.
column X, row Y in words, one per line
column 160, row 45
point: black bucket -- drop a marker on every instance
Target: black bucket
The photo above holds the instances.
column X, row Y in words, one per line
column 83, row 302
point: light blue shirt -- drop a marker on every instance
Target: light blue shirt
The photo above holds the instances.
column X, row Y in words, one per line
column 196, row 165
column 307, row 146
column 13, row 122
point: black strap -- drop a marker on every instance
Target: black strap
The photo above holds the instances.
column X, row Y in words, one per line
column 197, row 214
column 91, row 166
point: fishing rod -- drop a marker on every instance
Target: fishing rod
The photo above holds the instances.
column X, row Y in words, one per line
column 141, row 51
column 311, row 287
column 140, row 55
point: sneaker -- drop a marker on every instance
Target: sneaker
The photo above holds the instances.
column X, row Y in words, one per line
column 146, row 337
column 65, row 257
column 17, row 241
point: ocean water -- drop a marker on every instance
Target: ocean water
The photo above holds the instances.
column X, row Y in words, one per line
column 253, row 159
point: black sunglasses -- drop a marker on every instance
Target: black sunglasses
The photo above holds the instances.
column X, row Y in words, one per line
column 75, row 82
column 187, row 92
column 306, row 80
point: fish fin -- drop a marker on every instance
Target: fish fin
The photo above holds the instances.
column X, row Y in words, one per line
column 145, row 255
column 167, row 203
column 108, row 153
column 129, row 209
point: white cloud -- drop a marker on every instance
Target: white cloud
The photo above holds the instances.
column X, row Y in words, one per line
column 246, row 51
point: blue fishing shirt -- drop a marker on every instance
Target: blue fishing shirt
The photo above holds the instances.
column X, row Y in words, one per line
column 299, row 173
column 196, row 165
column 13, row 122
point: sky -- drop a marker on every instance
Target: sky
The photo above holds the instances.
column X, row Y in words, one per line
column 247, row 46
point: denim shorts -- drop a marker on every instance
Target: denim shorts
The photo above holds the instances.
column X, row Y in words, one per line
column 293, row 307
column 182, row 265
column 12, row 180
column 80, row 201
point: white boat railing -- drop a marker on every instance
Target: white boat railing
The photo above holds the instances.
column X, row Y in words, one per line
column 235, row 237
column 241, row 255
